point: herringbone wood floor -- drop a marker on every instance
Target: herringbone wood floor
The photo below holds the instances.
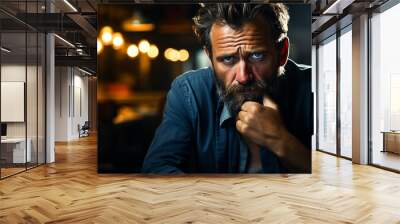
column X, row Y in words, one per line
column 71, row 191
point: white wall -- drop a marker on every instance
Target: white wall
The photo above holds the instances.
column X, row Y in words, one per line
column 71, row 102
column 33, row 126
column 61, row 103
column 12, row 73
column 80, row 111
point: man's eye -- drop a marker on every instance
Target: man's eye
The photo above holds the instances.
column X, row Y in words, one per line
column 256, row 56
column 228, row 59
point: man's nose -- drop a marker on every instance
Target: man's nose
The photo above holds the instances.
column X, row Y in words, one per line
column 243, row 75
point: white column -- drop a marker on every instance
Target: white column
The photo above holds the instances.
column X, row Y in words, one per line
column 360, row 90
column 50, row 93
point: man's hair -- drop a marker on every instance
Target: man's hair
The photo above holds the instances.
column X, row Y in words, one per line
column 234, row 15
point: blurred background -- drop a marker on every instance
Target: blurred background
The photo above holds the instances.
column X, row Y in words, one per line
column 141, row 50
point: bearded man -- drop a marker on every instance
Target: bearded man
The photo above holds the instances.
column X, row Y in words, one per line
column 250, row 112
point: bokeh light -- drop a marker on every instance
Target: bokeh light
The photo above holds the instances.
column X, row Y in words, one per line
column 132, row 51
column 106, row 35
column 144, row 46
column 153, row 51
column 175, row 55
column 118, row 40
column 171, row 54
column 183, row 55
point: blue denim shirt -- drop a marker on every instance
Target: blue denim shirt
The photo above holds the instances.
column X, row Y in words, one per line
column 198, row 133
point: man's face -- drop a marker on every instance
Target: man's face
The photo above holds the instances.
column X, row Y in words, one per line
column 245, row 61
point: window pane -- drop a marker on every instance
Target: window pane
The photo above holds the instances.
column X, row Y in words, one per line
column 385, row 84
column 15, row 149
column 327, row 96
column 345, row 94
column 31, row 100
column 313, row 89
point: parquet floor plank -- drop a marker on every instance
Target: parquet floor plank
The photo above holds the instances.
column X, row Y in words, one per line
column 71, row 191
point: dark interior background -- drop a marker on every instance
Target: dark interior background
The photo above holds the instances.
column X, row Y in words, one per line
column 131, row 91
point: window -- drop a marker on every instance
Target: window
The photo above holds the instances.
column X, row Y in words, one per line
column 327, row 95
column 385, row 88
column 22, row 80
column 345, row 93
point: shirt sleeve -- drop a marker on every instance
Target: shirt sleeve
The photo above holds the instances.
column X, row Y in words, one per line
column 172, row 142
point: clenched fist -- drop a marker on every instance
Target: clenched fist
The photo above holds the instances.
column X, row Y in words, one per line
column 262, row 124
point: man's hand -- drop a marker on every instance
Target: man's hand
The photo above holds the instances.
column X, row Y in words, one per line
column 263, row 125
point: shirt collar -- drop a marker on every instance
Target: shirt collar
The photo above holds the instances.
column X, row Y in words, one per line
column 225, row 115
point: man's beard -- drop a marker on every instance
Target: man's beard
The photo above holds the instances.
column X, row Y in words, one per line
column 234, row 96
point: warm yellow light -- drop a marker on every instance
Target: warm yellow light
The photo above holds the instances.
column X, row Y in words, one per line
column 167, row 53
column 106, row 38
column 99, row 46
column 132, row 51
column 171, row 54
column 183, row 55
column 118, row 40
column 153, row 51
column 133, row 26
column 106, row 35
column 144, row 46
column 175, row 56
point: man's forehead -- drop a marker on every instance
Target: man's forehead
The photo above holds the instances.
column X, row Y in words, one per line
column 255, row 32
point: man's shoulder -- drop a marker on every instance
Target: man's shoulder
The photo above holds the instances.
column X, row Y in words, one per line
column 196, row 77
column 293, row 67
column 296, row 73
column 196, row 89
column 295, row 83
column 302, row 67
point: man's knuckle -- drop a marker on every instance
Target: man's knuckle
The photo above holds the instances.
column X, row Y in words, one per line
column 244, row 105
column 257, row 109
column 245, row 127
column 249, row 118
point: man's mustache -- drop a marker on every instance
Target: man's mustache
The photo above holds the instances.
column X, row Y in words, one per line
column 255, row 88
column 237, row 94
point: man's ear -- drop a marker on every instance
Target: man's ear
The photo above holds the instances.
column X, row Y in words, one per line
column 284, row 51
column 207, row 52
